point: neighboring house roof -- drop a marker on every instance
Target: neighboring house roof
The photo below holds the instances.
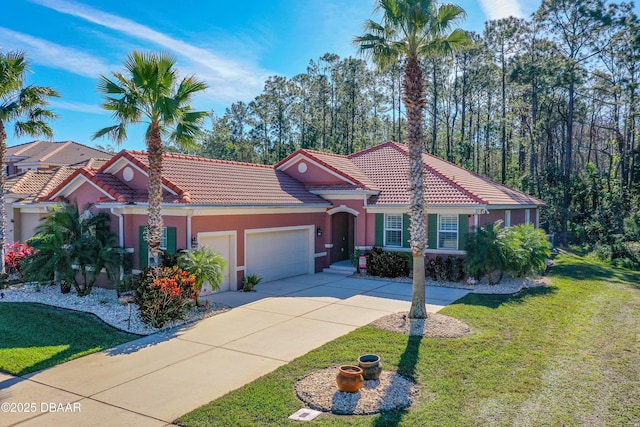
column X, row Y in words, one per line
column 34, row 184
column 202, row 181
column 48, row 154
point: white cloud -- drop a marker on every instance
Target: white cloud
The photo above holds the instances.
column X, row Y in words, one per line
column 81, row 107
column 498, row 9
column 229, row 79
column 53, row 55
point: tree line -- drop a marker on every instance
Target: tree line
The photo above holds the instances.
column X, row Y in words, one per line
column 547, row 104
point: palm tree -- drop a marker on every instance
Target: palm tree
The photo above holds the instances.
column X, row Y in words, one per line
column 150, row 93
column 412, row 30
column 206, row 265
column 18, row 101
column 73, row 249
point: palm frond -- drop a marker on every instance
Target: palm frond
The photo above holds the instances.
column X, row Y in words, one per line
column 117, row 133
column 33, row 128
column 188, row 87
column 13, row 72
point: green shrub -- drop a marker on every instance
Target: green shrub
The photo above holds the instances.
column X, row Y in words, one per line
column 206, row 265
column 250, row 281
column 165, row 294
column 626, row 254
column 387, row 263
column 631, row 227
column 456, row 268
column 486, row 253
column 450, row 269
column 602, row 251
column 491, row 250
column 527, row 250
column 73, row 249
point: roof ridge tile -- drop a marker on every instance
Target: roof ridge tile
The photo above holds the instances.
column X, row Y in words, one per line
column 62, row 146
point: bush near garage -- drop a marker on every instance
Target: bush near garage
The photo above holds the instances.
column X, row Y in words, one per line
column 165, row 294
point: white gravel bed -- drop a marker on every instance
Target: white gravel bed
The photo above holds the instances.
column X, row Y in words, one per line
column 391, row 392
column 508, row 285
column 104, row 304
column 436, row 325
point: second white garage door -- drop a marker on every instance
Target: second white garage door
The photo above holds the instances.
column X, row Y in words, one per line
column 279, row 253
column 224, row 244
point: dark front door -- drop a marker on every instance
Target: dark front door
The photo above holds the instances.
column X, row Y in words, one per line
column 341, row 236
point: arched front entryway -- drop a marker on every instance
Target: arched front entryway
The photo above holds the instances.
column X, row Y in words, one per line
column 342, row 236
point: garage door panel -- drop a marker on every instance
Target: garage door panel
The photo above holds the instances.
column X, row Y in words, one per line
column 223, row 246
column 278, row 254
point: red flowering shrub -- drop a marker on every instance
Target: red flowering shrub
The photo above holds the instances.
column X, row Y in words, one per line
column 15, row 253
column 165, row 294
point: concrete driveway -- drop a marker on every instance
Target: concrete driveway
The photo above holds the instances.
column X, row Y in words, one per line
column 155, row 379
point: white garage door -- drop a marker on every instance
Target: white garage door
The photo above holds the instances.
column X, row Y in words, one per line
column 224, row 245
column 278, row 254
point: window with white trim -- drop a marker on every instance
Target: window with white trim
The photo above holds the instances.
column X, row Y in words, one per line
column 507, row 218
column 448, row 232
column 163, row 239
column 392, row 230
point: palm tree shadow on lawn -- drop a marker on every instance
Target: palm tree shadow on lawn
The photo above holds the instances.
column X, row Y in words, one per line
column 407, row 368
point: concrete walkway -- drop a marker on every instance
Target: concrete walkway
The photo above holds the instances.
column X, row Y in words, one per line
column 156, row 379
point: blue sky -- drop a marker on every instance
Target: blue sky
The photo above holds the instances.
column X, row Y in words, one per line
column 234, row 46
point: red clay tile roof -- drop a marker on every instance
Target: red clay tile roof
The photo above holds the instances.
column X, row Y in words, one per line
column 340, row 165
column 221, row 182
column 382, row 168
column 445, row 183
column 389, row 166
column 197, row 180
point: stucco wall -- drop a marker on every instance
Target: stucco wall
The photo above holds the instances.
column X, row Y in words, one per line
column 28, row 224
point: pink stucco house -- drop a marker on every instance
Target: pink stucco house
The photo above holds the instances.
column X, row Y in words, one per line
column 33, row 169
column 300, row 216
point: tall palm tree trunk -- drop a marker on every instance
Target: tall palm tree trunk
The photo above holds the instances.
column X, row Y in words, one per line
column 154, row 153
column 3, row 213
column 415, row 102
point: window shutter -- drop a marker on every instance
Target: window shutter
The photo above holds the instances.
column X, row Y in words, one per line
column 432, row 231
column 379, row 230
column 463, row 231
column 406, row 231
column 172, row 241
column 144, row 248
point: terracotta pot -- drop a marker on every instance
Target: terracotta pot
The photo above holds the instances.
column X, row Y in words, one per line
column 371, row 366
column 349, row 378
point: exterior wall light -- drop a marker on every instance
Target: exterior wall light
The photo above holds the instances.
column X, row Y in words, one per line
column 319, row 232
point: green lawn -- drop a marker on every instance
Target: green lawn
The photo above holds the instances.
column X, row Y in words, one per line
column 568, row 354
column 35, row 336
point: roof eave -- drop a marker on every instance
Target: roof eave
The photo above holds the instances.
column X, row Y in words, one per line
column 358, row 192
